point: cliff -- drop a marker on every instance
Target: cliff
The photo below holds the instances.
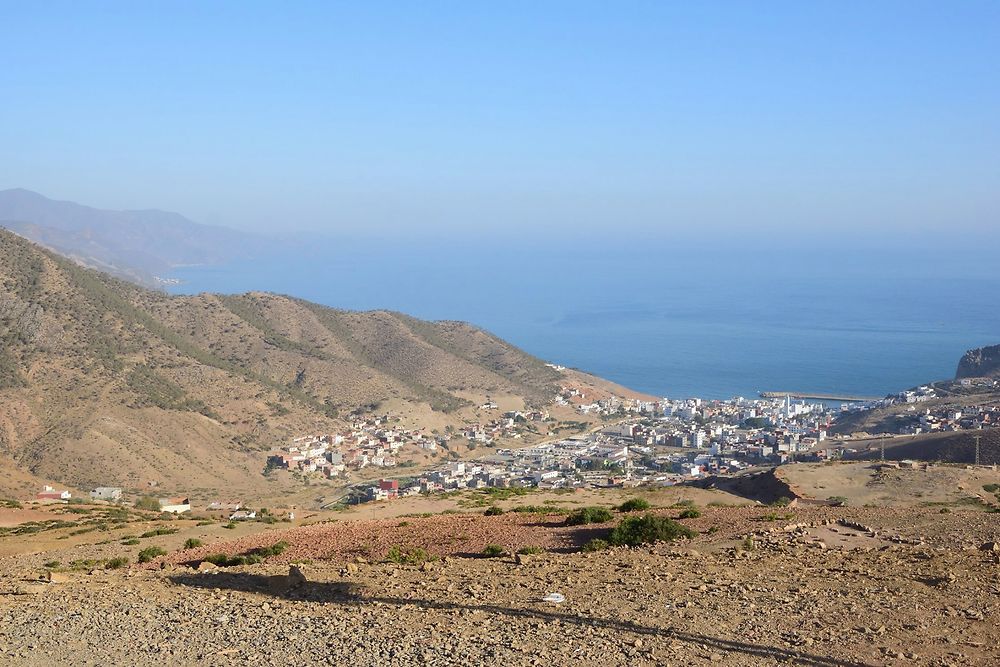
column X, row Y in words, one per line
column 980, row 362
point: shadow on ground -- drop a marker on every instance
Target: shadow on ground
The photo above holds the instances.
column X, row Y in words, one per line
column 346, row 593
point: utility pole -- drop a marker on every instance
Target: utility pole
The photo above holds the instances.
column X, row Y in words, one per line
column 881, row 444
column 977, row 438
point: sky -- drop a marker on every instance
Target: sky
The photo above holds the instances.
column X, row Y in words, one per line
column 510, row 118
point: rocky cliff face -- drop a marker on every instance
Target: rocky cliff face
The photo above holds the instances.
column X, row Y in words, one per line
column 980, row 362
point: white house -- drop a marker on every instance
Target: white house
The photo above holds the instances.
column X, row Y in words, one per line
column 175, row 505
column 109, row 493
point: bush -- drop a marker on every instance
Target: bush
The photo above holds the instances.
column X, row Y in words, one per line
column 159, row 531
column 51, row 565
column 528, row 551
column 839, row 501
column 596, row 544
column 408, row 556
column 636, row 530
column 634, row 505
column 991, row 488
column 230, row 525
column 116, row 563
column 493, row 511
column 149, row 553
column 251, row 557
column 586, row 515
column 131, row 541
column 493, row 551
column 782, row 502
column 192, row 543
column 148, row 503
column 690, row 513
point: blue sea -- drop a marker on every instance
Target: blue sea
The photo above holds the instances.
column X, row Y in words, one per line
column 670, row 317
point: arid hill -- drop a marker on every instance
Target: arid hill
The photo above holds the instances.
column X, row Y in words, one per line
column 104, row 382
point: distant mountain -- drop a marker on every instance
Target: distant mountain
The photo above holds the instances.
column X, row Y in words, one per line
column 135, row 245
column 103, row 382
column 980, row 362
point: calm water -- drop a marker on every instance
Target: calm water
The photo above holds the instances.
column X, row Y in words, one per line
column 671, row 319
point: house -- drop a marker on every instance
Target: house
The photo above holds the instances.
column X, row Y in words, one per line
column 49, row 493
column 227, row 506
column 109, row 493
column 243, row 515
column 390, row 487
column 175, row 505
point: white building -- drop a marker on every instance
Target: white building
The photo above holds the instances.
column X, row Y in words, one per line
column 109, row 493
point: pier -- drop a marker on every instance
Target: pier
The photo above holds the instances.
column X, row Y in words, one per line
column 819, row 397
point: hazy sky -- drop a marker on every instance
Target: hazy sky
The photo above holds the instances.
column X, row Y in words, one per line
column 508, row 116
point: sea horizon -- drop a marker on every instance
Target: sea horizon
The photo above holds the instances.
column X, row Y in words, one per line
column 657, row 319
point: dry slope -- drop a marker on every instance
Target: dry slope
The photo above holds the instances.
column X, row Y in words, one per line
column 103, row 382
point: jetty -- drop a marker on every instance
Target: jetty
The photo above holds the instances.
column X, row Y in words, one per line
column 819, row 397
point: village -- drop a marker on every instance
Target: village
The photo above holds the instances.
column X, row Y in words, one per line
column 635, row 443
column 654, row 443
column 912, row 418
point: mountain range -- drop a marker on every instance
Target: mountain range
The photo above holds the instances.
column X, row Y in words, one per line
column 140, row 246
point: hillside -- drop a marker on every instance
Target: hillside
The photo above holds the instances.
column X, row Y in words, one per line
column 134, row 245
column 104, row 382
column 949, row 447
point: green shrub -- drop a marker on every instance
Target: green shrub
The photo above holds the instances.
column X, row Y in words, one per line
column 408, row 555
column 149, row 553
column 596, row 544
column 251, row 557
column 51, row 564
column 587, row 515
column 493, row 551
column 192, row 543
column 159, row 531
column 782, row 502
column 131, row 541
column 529, row 551
column 230, row 525
column 538, row 509
column 839, row 501
column 636, row 530
column 634, row 505
column 493, row 511
column 991, row 488
column 690, row 513
column 116, row 563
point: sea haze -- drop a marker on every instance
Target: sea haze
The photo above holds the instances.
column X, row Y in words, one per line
column 671, row 318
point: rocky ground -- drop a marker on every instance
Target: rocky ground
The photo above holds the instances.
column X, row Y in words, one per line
column 813, row 586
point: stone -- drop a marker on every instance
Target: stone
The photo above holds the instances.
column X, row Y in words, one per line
column 54, row 577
